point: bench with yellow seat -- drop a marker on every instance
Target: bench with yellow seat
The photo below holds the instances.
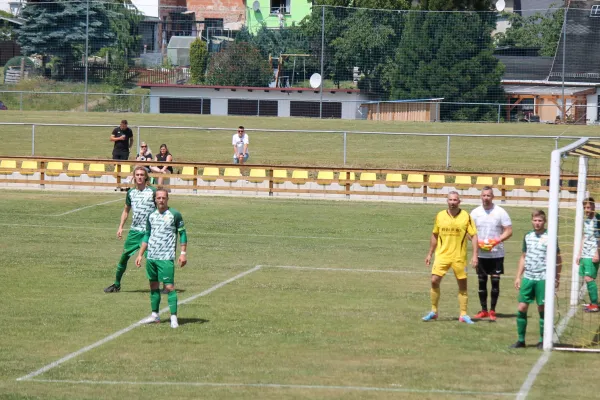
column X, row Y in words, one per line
column 367, row 179
column 210, row 174
column 393, row 180
column 280, row 175
column 231, row 174
column 188, row 173
column 7, row 167
column 75, row 169
column 463, row 182
column 346, row 177
column 54, row 168
column 532, row 184
column 299, row 177
column 436, row 181
column 324, row 177
column 484, row 180
column 96, row 170
column 257, row 175
column 415, row 181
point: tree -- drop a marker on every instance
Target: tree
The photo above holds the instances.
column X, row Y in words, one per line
column 198, row 61
column 58, row 28
column 239, row 64
column 450, row 56
column 535, row 31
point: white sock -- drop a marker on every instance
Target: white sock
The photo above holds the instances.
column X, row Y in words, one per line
column 173, row 317
column 154, row 314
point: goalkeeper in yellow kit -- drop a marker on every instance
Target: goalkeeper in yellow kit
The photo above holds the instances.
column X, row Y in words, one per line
column 451, row 229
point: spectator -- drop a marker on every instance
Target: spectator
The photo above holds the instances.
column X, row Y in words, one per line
column 145, row 154
column 123, row 139
column 240, row 142
column 163, row 156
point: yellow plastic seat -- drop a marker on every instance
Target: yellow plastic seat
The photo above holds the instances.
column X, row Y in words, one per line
column 415, row 181
column 7, row 166
column 126, row 168
column 279, row 175
column 462, row 182
column 188, row 171
column 393, row 180
column 367, row 179
column 96, row 170
column 28, row 167
column 257, row 175
column 299, row 176
column 75, row 169
column 436, row 181
column 484, row 180
column 210, row 174
column 231, row 174
column 54, row 168
column 346, row 177
column 324, row 177
column 532, row 184
column 508, row 181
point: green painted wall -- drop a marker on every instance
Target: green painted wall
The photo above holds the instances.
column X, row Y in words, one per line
column 255, row 19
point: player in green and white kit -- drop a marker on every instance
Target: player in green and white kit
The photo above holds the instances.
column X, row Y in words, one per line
column 533, row 265
column 161, row 242
column 589, row 259
column 140, row 199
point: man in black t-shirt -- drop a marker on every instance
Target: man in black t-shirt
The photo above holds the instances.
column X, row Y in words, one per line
column 123, row 139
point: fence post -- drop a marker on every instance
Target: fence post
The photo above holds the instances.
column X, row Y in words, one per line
column 143, row 97
column 138, row 140
column 499, row 112
column 448, row 153
column 345, row 146
column 21, row 102
column 32, row 139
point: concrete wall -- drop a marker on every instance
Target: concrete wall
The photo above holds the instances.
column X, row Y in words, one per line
column 592, row 107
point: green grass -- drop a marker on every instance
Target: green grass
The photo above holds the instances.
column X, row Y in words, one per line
column 486, row 154
column 273, row 326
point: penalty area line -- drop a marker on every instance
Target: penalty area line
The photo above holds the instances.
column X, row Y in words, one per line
column 84, row 208
column 129, row 328
column 280, row 386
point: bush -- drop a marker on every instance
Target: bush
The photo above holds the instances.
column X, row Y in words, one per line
column 198, row 61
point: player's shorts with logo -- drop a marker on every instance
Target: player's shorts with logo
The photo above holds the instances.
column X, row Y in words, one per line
column 133, row 242
column 490, row 266
column 532, row 291
column 161, row 271
column 440, row 268
column 588, row 268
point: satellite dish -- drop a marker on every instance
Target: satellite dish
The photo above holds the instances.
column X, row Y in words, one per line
column 315, row 80
column 500, row 5
column 256, row 6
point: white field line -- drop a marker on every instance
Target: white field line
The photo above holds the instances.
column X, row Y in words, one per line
column 83, row 208
column 280, row 386
column 537, row 368
column 129, row 328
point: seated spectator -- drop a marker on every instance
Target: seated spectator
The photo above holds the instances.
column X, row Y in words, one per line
column 145, row 154
column 163, row 156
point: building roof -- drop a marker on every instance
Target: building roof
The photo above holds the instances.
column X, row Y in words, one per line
column 582, row 60
column 248, row 88
column 548, row 90
column 525, row 67
column 13, row 20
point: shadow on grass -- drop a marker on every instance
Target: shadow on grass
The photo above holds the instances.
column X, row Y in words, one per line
column 148, row 291
column 185, row 321
column 500, row 315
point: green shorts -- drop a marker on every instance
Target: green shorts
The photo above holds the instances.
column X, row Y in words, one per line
column 588, row 268
column 532, row 290
column 161, row 271
column 133, row 243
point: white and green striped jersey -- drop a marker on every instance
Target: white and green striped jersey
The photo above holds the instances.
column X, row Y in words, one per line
column 535, row 248
column 142, row 204
column 161, row 234
column 591, row 234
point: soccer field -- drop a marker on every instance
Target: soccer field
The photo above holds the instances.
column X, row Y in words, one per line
column 281, row 299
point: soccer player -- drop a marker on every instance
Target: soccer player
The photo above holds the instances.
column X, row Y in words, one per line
column 449, row 240
column 588, row 258
column 140, row 199
column 532, row 267
column 160, row 240
column 493, row 228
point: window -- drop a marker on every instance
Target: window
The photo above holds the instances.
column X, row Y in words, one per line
column 283, row 5
column 311, row 109
column 595, row 11
column 184, row 106
column 262, row 108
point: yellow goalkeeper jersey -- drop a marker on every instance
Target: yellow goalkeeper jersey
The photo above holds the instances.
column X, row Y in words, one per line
column 452, row 236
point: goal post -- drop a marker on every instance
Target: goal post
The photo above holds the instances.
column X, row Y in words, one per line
column 562, row 217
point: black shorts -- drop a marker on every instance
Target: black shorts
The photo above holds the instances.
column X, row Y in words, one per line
column 490, row 266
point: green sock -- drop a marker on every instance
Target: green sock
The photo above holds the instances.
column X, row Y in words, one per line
column 593, row 291
column 172, row 296
column 155, row 299
column 121, row 267
column 541, row 326
column 521, row 325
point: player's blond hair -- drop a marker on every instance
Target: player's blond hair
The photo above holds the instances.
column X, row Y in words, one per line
column 538, row 213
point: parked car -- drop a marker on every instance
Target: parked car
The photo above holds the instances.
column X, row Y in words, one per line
column 2, row 106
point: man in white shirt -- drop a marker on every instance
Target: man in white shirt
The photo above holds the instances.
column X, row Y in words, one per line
column 240, row 144
column 493, row 228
